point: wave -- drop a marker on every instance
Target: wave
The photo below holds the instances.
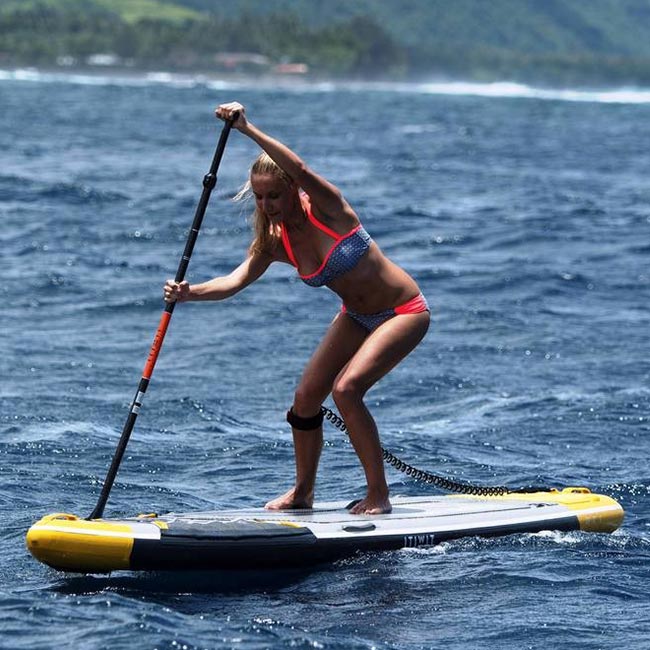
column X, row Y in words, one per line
column 135, row 79
column 26, row 189
column 501, row 89
column 522, row 91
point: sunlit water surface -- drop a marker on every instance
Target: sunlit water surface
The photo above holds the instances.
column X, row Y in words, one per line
column 524, row 215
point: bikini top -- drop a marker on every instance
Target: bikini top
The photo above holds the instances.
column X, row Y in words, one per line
column 342, row 257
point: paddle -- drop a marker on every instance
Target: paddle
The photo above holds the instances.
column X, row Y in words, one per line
column 209, row 183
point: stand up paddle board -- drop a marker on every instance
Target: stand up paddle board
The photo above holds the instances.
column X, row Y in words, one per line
column 258, row 538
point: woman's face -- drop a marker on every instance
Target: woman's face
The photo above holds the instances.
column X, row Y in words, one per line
column 273, row 196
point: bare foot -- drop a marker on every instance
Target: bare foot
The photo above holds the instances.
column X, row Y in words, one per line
column 371, row 506
column 291, row 501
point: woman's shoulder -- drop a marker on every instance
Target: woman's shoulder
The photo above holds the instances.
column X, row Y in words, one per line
column 272, row 249
column 346, row 218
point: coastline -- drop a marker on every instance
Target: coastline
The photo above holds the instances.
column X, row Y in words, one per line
column 304, row 84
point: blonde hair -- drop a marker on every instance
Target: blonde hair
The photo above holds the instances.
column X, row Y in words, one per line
column 265, row 234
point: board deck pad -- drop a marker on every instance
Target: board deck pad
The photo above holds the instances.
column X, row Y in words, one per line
column 257, row 538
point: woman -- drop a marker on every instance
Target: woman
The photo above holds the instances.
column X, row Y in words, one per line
column 302, row 219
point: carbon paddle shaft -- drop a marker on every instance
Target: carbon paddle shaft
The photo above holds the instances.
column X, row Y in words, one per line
column 209, row 183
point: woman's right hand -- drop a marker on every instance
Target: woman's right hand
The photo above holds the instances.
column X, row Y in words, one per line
column 233, row 111
column 176, row 291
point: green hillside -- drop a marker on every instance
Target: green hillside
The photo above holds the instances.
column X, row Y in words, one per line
column 542, row 41
column 131, row 11
column 614, row 27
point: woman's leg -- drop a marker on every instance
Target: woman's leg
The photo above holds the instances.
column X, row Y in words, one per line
column 380, row 352
column 342, row 340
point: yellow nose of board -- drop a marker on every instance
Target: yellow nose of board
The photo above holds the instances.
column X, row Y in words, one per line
column 66, row 542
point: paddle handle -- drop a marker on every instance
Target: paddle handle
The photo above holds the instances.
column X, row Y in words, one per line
column 209, row 183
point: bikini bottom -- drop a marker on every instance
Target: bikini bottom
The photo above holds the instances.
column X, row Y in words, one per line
column 373, row 321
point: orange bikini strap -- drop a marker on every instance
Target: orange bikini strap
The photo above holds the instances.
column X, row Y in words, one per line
column 287, row 245
column 306, row 204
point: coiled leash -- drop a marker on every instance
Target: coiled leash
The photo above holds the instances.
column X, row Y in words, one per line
column 427, row 477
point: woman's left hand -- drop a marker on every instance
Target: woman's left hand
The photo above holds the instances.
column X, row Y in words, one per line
column 228, row 112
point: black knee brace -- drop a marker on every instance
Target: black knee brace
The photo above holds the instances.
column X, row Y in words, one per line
column 304, row 424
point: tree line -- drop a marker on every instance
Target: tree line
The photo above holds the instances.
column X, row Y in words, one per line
column 39, row 35
column 358, row 48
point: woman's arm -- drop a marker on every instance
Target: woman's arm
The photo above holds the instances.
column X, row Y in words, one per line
column 220, row 288
column 323, row 194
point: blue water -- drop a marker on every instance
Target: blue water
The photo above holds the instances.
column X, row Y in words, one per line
column 526, row 220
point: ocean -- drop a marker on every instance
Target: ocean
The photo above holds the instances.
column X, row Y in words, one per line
column 524, row 215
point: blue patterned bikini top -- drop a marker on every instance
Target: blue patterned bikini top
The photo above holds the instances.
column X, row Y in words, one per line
column 344, row 255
